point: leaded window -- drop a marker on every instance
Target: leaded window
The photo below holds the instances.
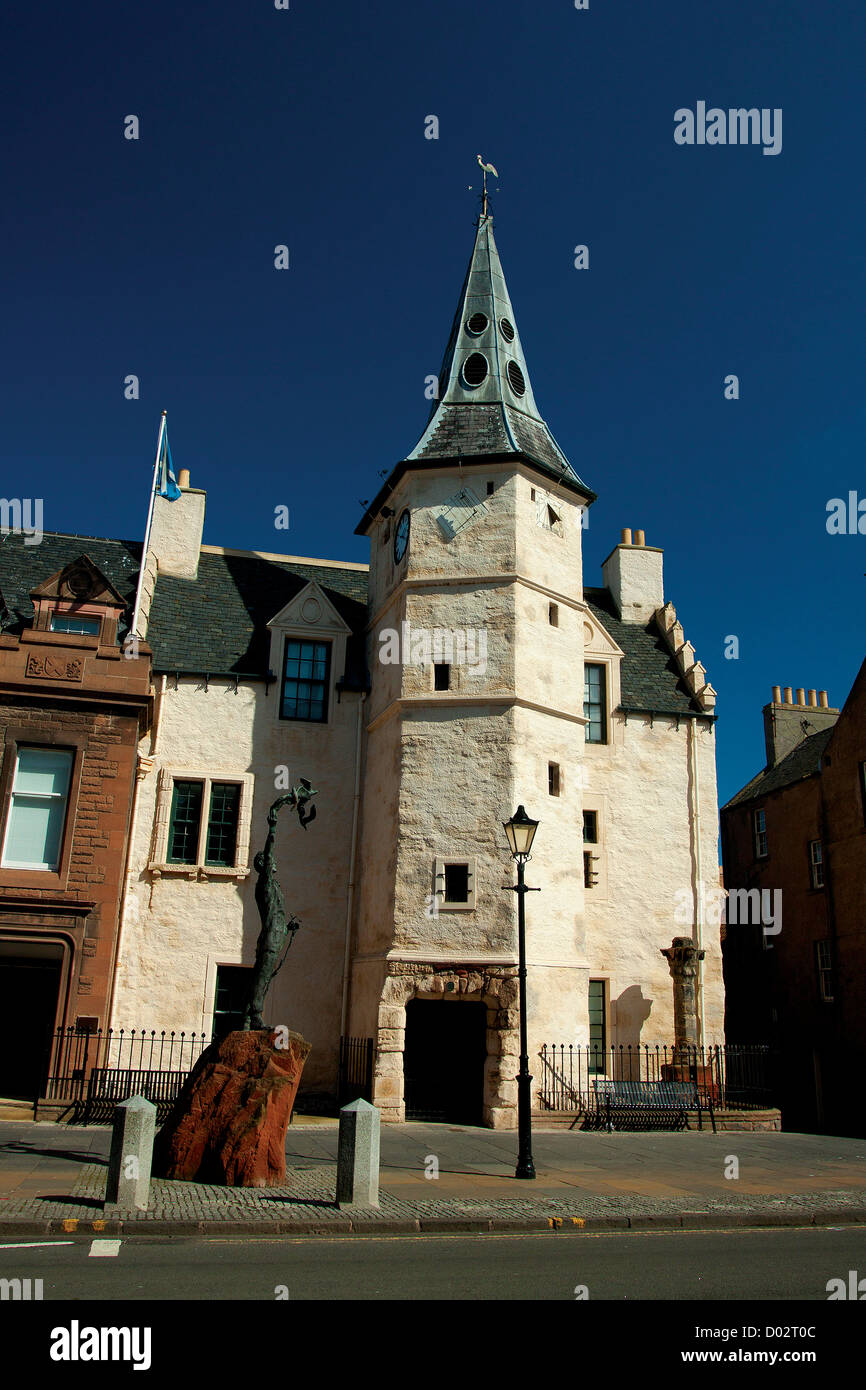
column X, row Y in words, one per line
column 595, row 704
column 184, row 823
column 222, row 825
column 306, row 672
column 597, row 1027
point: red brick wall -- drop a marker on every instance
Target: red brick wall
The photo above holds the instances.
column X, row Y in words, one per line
column 101, row 718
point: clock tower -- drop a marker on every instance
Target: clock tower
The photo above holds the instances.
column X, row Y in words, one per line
column 476, row 633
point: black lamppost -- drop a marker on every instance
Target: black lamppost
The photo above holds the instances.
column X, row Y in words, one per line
column 521, row 832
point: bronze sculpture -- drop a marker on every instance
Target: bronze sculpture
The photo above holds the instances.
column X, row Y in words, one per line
column 276, row 926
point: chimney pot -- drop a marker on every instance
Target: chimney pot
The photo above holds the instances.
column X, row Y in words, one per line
column 183, row 478
column 789, row 695
column 813, row 698
column 823, row 702
column 625, row 536
column 801, row 695
column 639, row 538
column 777, row 694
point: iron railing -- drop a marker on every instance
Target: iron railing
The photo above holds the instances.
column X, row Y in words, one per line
column 740, row 1076
column 92, row 1071
column 356, row 1070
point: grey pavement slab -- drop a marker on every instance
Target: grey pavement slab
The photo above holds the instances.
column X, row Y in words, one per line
column 54, row 1177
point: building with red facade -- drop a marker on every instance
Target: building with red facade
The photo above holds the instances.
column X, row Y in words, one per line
column 794, row 854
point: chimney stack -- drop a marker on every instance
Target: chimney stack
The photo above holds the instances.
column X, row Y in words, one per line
column 784, row 720
column 633, row 574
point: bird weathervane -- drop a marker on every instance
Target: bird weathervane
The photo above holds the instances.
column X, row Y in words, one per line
column 487, row 169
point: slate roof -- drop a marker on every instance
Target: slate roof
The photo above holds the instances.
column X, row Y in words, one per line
column 498, row 415
column 803, row 761
column 649, row 676
column 216, row 623
column 22, row 567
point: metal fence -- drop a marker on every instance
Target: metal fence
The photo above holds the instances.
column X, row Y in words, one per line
column 740, row 1076
column 91, row 1071
column 356, row 1070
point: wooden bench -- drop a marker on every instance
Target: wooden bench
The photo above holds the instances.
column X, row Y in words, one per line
column 647, row 1101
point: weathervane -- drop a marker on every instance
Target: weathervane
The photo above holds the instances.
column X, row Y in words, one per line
column 487, row 169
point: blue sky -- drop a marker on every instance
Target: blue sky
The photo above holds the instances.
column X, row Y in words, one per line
column 306, row 127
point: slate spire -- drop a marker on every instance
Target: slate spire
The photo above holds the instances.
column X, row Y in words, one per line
column 486, row 405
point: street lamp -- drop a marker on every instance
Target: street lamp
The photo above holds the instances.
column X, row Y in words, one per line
column 520, row 831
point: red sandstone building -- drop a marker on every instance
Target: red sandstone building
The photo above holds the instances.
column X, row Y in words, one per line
column 798, row 983
column 73, row 705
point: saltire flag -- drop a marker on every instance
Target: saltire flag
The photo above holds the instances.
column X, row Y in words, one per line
column 167, row 485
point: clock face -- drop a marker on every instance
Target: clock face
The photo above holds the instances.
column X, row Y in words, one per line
column 401, row 536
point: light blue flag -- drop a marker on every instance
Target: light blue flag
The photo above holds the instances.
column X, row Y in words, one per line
column 168, row 487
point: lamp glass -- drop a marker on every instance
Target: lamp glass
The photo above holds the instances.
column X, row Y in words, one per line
column 520, row 831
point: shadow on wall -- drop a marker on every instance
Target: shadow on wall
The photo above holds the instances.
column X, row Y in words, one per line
column 631, row 1013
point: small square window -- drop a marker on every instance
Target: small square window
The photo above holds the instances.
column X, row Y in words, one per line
column 553, row 779
column 491, row 488
column 456, row 883
column 553, row 614
column 441, row 676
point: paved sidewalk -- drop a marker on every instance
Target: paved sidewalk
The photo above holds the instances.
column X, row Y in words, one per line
column 52, row 1178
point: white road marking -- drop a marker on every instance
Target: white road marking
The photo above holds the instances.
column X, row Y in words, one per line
column 104, row 1247
column 35, row 1244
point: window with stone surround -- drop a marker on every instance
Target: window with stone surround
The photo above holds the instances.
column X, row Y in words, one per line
column 759, row 824
column 33, row 835
column 595, row 703
column 454, row 883
column 597, row 1027
column 202, row 827
column 306, row 676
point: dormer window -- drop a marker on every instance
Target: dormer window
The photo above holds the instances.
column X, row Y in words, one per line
column 78, row 601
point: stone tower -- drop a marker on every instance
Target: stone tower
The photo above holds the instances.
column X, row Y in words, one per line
column 476, row 704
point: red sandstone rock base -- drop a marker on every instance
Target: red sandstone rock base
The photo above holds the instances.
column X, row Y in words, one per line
column 229, row 1123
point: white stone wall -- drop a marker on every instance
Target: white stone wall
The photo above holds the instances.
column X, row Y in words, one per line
column 639, row 784
column 176, row 931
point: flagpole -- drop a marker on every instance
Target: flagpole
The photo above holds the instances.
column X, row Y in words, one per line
column 137, row 610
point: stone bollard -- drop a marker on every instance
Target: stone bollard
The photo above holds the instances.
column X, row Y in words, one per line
column 358, row 1156
column 129, row 1163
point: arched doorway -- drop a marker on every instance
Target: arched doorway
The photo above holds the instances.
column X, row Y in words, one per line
column 443, row 1060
